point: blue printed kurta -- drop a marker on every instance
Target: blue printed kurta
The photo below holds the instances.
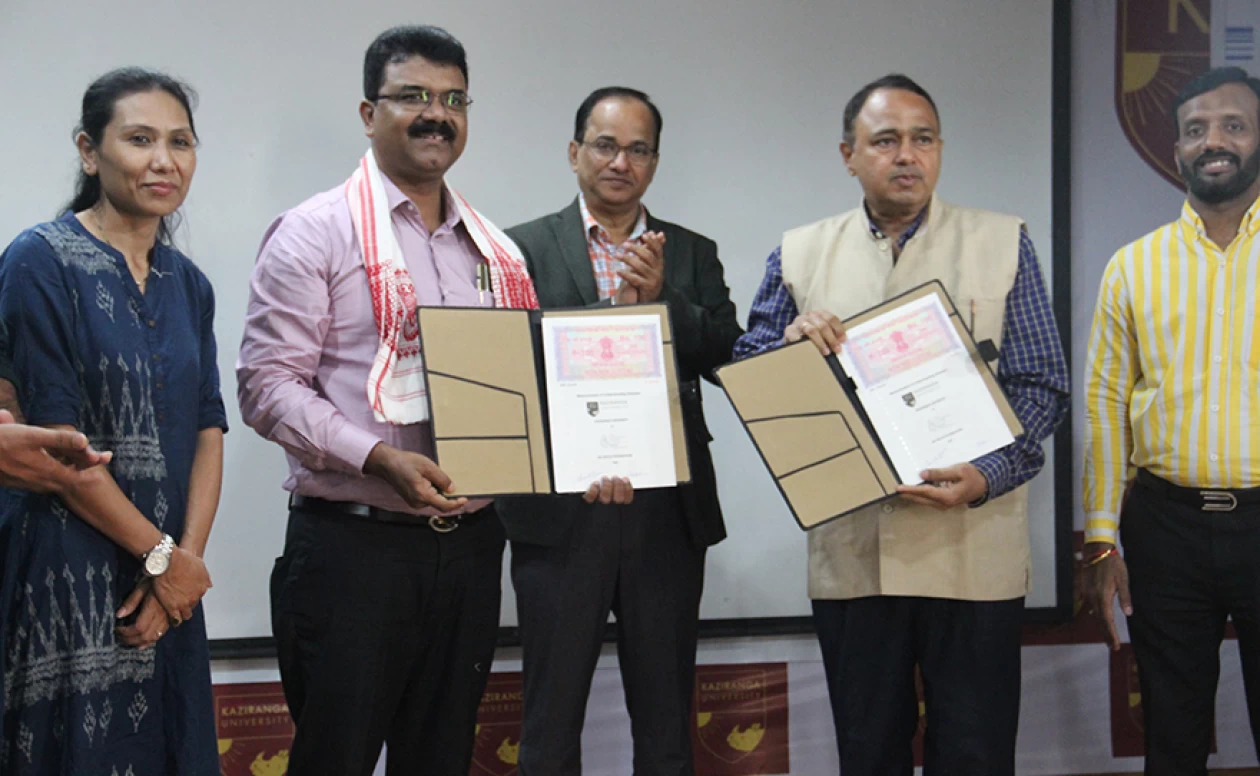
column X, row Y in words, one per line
column 137, row 373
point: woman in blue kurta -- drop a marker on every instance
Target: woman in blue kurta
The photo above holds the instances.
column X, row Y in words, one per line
column 105, row 662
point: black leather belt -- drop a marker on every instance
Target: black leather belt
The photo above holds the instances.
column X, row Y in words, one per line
column 1216, row 500
column 323, row 506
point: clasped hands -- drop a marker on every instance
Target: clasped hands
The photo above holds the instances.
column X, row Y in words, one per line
column 643, row 273
column 165, row 601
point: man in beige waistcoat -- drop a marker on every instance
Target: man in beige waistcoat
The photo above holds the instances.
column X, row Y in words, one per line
column 936, row 578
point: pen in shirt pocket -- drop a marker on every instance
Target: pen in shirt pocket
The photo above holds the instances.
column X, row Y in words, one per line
column 483, row 281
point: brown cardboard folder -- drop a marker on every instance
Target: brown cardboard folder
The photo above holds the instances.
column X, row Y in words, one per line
column 487, row 395
column 806, row 421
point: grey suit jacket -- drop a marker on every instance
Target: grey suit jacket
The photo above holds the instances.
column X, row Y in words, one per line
column 705, row 328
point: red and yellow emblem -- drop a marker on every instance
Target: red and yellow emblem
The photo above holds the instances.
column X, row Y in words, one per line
column 741, row 720
column 1159, row 47
column 254, row 728
column 498, row 743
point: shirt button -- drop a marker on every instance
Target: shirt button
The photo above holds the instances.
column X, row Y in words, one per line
column 1218, row 359
column 883, row 245
column 156, row 357
column 152, row 323
column 1216, row 408
column 1220, row 311
column 1212, row 457
column 888, row 509
column 159, row 385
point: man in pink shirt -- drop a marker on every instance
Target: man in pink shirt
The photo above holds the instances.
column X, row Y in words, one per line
column 385, row 604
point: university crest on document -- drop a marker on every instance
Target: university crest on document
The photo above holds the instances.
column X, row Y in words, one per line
column 1160, row 45
column 498, row 742
column 741, row 720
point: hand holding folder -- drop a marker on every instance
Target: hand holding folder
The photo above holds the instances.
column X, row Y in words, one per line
column 818, row 430
column 488, row 396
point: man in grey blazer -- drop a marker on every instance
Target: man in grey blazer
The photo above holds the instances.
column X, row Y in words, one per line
column 572, row 562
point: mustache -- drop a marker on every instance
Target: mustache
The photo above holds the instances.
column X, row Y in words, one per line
column 442, row 128
column 1211, row 156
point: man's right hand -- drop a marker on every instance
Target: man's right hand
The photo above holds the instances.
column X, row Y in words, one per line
column 1103, row 581
column 822, row 328
column 42, row 460
column 415, row 478
column 626, row 294
column 610, row 490
column 180, row 588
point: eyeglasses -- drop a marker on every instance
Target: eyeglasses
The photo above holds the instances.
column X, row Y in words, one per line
column 455, row 100
column 640, row 154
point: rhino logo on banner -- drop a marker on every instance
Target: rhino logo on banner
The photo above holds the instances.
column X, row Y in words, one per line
column 1159, row 47
column 741, row 720
column 498, row 742
column 254, row 729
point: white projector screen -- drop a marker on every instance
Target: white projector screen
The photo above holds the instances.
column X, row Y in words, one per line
column 752, row 95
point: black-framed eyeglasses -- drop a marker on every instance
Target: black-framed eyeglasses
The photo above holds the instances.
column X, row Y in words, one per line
column 605, row 149
column 456, row 100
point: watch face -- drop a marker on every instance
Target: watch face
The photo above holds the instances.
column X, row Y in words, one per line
column 156, row 563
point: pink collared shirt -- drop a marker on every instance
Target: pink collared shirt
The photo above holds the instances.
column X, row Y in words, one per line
column 310, row 339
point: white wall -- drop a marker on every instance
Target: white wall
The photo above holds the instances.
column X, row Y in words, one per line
column 752, row 94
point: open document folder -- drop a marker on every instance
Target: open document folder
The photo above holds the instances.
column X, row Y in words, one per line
column 538, row 402
column 910, row 391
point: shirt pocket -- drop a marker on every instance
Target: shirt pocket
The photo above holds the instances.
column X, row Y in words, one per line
column 984, row 317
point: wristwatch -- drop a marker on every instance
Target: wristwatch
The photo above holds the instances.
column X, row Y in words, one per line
column 158, row 559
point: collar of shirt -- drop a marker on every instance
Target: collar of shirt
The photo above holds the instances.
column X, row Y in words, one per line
column 595, row 231
column 395, row 198
column 1249, row 226
column 878, row 233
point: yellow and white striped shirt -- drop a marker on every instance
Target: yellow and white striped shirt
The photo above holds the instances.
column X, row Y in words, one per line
column 1172, row 380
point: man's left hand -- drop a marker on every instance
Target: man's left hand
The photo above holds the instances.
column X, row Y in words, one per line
column 945, row 488
column 645, row 265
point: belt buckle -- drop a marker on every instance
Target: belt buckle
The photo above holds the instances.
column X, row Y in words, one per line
column 442, row 524
column 1218, row 501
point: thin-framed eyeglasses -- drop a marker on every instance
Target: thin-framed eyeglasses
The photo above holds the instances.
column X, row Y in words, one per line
column 605, row 149
column 456, row 100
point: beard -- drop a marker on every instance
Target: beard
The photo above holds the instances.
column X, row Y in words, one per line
column 1214, row 192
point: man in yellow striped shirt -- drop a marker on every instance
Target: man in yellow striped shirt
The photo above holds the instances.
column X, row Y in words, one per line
column 1173, row 418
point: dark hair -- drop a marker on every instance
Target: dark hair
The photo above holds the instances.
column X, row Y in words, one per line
column 1209, row 81
column 398, row 44
column 890, row 81
column 599, row 95
column 98, row 110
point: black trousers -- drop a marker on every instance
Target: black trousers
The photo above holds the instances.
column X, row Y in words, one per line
column 968, row 654
column 385, row 634
column 1189, row 570
column 638, row 562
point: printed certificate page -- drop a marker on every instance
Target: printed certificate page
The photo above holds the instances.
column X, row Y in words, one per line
column 608, row 401
column 921, row 390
